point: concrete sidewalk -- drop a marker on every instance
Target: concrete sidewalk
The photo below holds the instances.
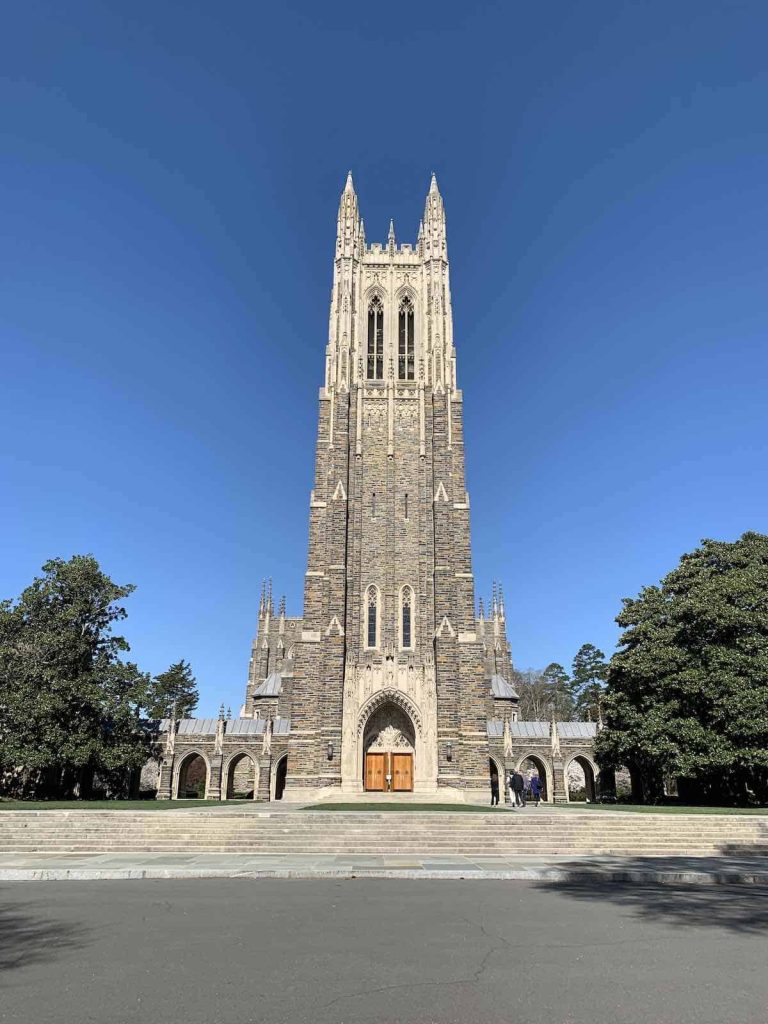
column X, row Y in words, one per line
column 664, row 870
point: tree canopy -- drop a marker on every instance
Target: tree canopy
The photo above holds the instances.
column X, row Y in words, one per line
column 588, row 674
column 69, row 704
column 687, row 692
column 173, row 692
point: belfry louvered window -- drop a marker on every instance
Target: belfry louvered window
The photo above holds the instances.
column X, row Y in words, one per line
column 405, row 350
column 376, row 339
column 372, row 616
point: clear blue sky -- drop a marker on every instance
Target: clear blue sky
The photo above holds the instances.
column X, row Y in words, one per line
column 169, row 178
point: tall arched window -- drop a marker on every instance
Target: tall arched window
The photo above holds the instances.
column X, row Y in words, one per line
column 406, row 618
column 405, row 356
column 372, row 617
column 376, row 339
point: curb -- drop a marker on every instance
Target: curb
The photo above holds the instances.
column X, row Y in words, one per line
column 553, row 875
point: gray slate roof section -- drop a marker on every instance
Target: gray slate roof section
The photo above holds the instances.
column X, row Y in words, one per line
column 232, row 726
column 577, row 730
column 197, row 727
column 244, row 727
column 271, row 687
column 530, row 730
column 502, row 689
column 495, row 728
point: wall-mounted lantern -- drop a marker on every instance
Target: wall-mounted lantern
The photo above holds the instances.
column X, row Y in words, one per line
column 330, row 750
column 449, row 751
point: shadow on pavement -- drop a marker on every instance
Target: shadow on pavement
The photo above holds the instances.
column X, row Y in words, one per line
column 736, row 908
column 26, row 939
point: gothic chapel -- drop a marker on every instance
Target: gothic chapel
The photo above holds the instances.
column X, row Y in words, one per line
column 390, row 681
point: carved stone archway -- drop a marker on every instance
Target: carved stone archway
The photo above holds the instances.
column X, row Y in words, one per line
column 408, row 691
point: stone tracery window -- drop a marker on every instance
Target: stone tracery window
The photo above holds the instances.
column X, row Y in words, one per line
column 405, row 351
column 371, row 617
column 376, row 339
column 406, row 618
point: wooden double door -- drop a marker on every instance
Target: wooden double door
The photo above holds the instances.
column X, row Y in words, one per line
column 389, row 772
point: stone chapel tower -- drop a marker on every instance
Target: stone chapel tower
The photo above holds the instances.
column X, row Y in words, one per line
column 389, row 678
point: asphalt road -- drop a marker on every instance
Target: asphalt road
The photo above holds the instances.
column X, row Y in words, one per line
column 234, row 951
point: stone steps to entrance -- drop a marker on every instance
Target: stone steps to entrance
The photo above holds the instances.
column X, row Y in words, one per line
column 498, row 833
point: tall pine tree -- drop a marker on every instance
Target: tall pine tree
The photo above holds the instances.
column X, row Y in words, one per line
column 173, row 692
column 588, row 673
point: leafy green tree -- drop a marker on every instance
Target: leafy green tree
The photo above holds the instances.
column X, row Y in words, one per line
column 687, row 693
column 173, row 691
column 588, row 674
column 69, row 705
column 560, row 690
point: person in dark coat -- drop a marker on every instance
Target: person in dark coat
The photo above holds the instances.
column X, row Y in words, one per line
column 536, row 788
column 518, row 785
column 494, row 790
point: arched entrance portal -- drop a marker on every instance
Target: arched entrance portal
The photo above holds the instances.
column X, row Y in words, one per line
column 281, row 771
column 580, row 780
column 241, row 778
column 533, row 765
column 389, row 742
column 192, row 781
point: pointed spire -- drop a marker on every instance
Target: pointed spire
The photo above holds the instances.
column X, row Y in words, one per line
column 391, row 238
column 262, row 605
column 348, row 222
column 434, row 223
column 282, row 607
column 270, row 606
column 221, row 712
column 555, row 736
column 507, row 739
column 494, row 602
column 501, row 602
column 482, row 609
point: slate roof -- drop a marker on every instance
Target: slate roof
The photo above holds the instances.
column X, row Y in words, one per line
column 244, row 726
column 502, row 689
column 530, row 730
column 577, row 730
column 232, row 726
column 271, row 687
column 197, row 727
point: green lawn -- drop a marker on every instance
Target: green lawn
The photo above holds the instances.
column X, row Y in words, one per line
column 662, row 809
column 471, row 808
column 113, row 805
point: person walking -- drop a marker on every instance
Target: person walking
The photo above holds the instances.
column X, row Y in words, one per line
column 536, row 789
column 511, row 788
column 518, row 785
column 494, row 790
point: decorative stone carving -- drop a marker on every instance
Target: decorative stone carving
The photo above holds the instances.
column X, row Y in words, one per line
column 390, row 738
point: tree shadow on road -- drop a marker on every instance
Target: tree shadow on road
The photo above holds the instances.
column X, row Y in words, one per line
column 734, row 908
column 27, row 939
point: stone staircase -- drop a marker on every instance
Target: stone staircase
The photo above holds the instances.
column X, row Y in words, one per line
column 529, row 833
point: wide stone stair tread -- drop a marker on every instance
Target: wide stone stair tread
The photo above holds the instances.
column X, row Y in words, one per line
column 372, row 833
